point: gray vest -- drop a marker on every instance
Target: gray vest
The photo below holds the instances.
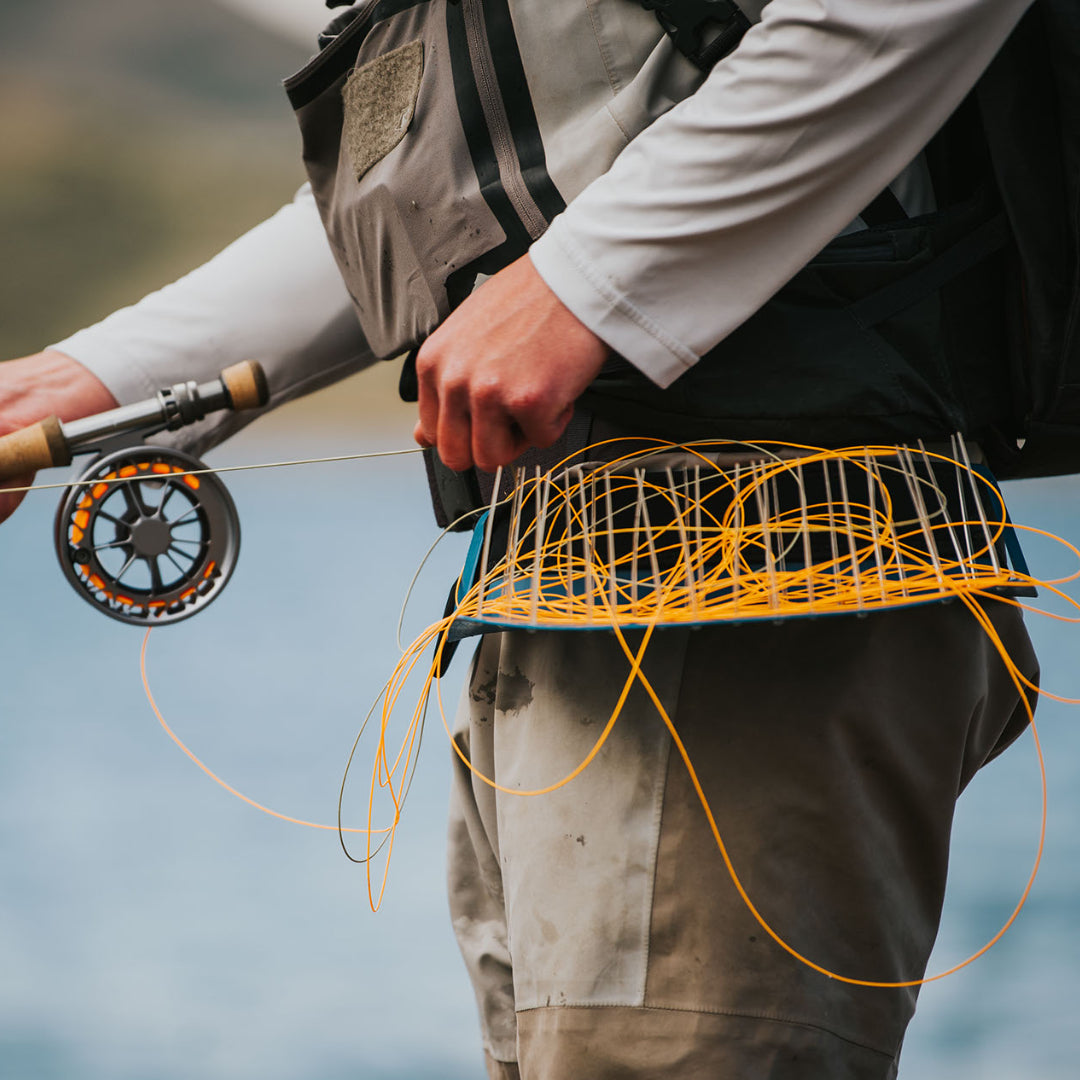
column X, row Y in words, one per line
column 442, row 136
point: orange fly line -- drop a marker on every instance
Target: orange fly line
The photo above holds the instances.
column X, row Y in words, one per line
column 570, row 563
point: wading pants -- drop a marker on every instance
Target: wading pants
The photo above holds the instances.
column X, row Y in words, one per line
column 602, row 932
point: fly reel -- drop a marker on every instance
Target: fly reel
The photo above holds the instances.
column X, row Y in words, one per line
column 143, row 540
column 146, row 535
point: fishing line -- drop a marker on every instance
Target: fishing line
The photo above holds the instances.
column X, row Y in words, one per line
column 734, row 553
column 345, row 779
column 635, row 657
column 209, row 772
column 208, row 471
column 984, row 621
column 420, row 569
column 885, row 564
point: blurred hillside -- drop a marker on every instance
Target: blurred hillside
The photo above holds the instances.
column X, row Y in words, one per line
column 137, row 137
column 149, row 58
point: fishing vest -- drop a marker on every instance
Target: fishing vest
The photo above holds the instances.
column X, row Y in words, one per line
column 441, row 138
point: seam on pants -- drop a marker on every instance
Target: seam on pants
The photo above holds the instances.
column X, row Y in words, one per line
column 733, row 1013
column 658, row 819
column 658, row 816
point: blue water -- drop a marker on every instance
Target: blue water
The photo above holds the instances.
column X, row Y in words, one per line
column 154, row 928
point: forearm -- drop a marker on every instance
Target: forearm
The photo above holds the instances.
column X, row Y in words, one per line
column 721, row 201
column 274, row 296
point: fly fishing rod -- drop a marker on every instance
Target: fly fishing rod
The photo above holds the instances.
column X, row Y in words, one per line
column 145, row 534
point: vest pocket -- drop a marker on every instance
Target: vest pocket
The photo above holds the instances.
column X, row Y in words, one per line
column 392, row 167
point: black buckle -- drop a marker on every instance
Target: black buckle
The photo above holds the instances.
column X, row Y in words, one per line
column 684, row 22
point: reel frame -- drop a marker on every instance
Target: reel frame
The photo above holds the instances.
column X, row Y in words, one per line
column 143, row 542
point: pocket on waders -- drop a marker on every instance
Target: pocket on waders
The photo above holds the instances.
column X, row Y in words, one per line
column 392, row 117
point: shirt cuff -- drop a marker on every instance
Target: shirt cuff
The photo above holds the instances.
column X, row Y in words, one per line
column 128, row 382
column 608, row 312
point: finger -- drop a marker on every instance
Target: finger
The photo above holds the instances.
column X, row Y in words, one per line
column 496, row 438
column 558, row 425
column 541, row 427
column 420, row 438
column 427, row 426
column 454, row 432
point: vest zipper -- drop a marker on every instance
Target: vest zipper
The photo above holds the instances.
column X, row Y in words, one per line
column 502, row 141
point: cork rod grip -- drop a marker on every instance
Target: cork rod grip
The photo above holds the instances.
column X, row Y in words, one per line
column 39, row 446
column 246, row 384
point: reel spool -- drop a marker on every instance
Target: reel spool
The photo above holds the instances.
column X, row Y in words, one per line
column 141, row 543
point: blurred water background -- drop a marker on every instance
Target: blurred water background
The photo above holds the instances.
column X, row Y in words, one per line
column 154, row 928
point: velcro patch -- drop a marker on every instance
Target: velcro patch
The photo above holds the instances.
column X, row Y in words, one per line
column 380, row 99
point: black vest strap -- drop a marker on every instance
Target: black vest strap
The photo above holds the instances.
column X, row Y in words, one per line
column 704, row 31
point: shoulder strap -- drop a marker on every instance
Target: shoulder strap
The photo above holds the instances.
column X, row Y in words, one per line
column 704, row 31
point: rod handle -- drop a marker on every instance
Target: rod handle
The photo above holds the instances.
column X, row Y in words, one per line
column 246, row 385
column 39, row 446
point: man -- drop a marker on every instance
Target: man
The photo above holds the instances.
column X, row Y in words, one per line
column 600, row 929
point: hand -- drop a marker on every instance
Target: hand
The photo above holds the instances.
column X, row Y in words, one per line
column 502, row 373
column 46, row 384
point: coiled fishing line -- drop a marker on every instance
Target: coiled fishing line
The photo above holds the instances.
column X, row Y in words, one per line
column 562, row 580
column 701, row 564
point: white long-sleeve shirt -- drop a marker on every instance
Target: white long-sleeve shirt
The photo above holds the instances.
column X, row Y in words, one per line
column 702, row 218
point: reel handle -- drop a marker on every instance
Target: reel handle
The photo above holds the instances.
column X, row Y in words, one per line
column 50, row 442
column 40, row 446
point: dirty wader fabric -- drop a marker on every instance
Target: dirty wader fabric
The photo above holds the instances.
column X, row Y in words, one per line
column 601, row 930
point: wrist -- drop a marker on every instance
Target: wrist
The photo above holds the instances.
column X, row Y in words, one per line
column 49, row 383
